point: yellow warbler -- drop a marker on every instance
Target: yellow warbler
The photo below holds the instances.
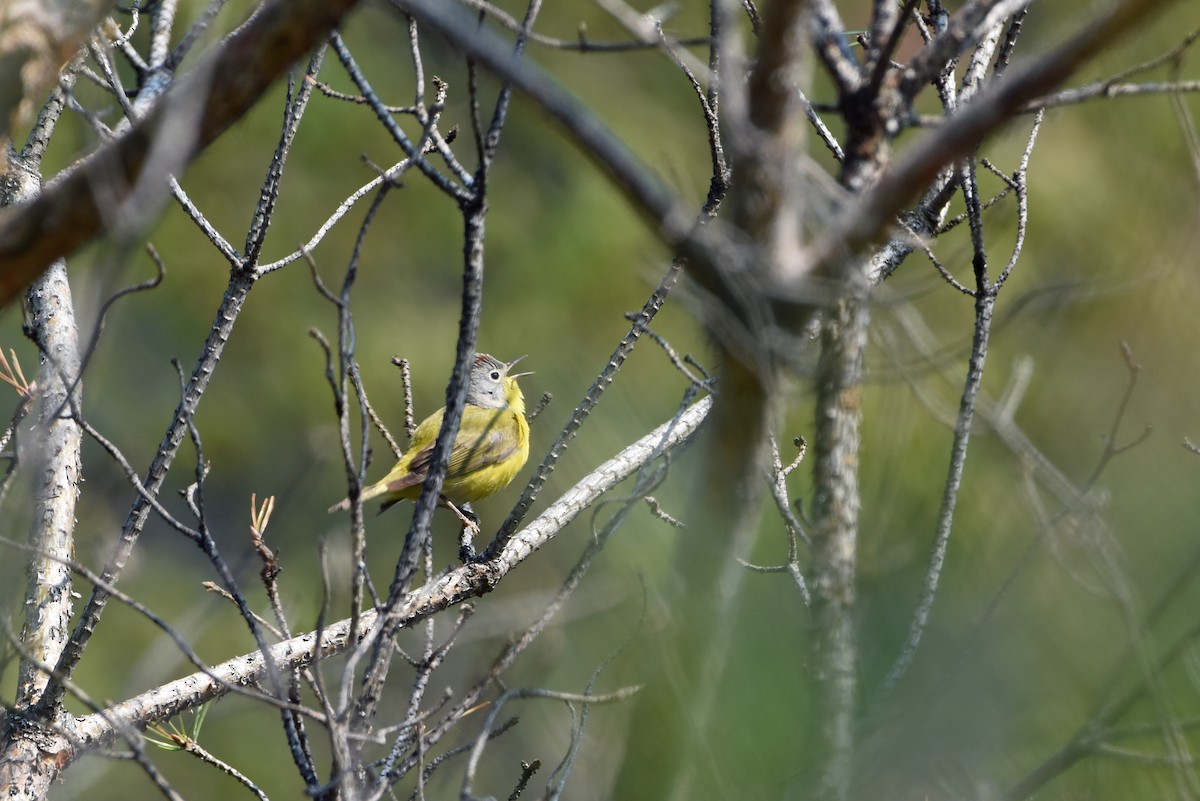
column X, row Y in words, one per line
column 490, row 449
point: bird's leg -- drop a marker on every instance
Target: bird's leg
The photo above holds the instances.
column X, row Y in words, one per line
column 466, row 514
column 466, row 551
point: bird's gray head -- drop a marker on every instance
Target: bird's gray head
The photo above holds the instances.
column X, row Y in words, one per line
column 487, row 381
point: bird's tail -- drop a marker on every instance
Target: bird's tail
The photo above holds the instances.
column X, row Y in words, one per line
column 367, row 494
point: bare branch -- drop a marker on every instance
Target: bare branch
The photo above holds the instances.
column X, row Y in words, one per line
column 963, row 131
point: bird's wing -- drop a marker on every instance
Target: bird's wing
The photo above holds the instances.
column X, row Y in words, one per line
column 413, row 477
column 467, row 456
column 491, row 448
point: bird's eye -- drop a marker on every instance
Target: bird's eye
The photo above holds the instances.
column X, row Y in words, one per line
column 495, row 375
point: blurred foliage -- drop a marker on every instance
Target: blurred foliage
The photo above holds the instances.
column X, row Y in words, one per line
column 1025, row 631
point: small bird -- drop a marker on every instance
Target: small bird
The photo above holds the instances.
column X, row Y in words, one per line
column 490, row 449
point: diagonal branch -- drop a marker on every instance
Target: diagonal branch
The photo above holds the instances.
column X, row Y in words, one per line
column 467, row 581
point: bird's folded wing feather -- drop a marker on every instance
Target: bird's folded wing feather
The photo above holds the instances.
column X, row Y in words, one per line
column 465, row 458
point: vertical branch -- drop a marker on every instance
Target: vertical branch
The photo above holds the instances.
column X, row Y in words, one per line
column 836, row 506
column 487, row 147
column 294, row 108
column 985, row 304
column 56, row 478
column 348, row 367
column 870, row 105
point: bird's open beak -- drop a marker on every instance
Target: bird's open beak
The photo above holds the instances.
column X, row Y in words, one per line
column 509, row 366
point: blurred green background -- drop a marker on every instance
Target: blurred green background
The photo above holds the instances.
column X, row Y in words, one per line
column 1027, row 627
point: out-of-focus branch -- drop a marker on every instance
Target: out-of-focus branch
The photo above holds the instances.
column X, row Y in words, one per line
column 966, row 27
column 37, row 37
column 71, row 211
column 912, row 172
